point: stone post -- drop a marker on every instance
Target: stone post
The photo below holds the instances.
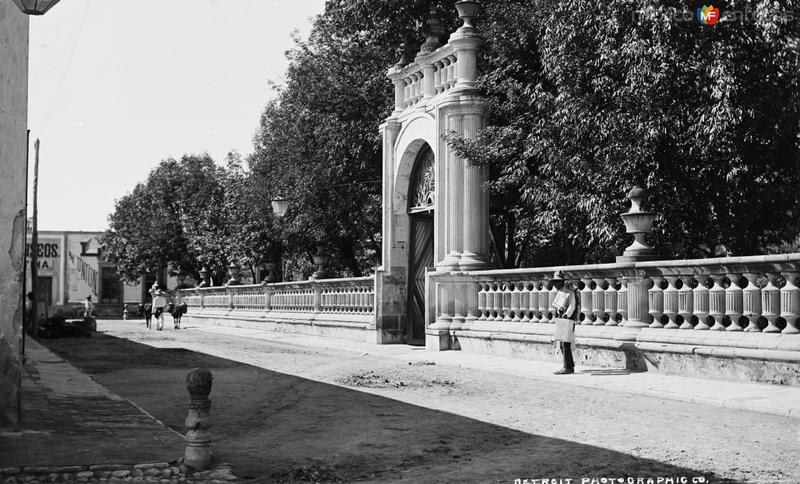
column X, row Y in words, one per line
column 197, row 455
column 437, row 335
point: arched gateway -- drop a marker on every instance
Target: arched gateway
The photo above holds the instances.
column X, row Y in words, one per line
column 435, row 212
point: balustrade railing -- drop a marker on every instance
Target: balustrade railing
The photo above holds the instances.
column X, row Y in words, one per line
column 747, row 294
column 336, row 296
column 430, row 77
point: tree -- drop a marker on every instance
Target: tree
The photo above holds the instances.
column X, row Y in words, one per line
column 588, row 98
column 165, row 221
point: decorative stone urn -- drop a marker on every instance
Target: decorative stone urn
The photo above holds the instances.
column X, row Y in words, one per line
column 197, row 453
column 638, row 223
column 234, row 271
column 204, row 277
column 320, row 259
column 272, row 272
column 467, row 11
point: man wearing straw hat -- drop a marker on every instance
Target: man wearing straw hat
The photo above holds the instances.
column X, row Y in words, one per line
column 159, row 305
column 565, row 306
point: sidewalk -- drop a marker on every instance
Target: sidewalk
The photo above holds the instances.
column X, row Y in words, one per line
column 755, row 397
column 72, row 424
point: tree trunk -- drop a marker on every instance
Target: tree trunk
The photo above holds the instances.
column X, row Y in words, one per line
column 348, row 254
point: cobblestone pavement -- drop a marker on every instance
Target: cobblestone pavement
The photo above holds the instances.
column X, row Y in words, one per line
column 313, row 413
column 70, row 420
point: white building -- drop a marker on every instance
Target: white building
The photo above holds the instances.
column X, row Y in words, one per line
column 70, row 267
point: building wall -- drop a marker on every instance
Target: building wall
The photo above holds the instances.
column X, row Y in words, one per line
column 13, row 157
column 71, row 262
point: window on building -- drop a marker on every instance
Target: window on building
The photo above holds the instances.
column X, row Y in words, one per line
column 111, row 286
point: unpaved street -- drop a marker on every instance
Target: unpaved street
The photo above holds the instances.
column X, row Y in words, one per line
column 284, row 412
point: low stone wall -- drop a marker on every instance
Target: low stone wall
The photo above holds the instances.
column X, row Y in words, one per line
column 765, row 357
column 345, row 328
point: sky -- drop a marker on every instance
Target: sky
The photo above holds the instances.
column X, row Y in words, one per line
column 115, row 86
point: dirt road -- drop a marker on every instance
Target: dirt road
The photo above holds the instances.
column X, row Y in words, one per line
column 284, row 412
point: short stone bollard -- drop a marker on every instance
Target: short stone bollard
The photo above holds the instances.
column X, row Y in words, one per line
column 198, row 439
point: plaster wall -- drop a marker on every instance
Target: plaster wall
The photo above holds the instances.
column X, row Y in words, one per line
column 13, row 157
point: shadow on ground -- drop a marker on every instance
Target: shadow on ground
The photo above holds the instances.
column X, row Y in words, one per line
column 276, row 427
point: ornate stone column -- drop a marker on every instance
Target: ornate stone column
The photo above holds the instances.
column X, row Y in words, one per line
column 455, row 203
column 475, row 225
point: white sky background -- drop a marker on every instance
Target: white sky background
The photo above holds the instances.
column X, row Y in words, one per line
column 148, row 79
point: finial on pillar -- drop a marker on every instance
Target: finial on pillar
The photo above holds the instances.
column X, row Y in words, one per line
column 640, row 224
column 434, row 32
column 403, row 56
column 467, row 11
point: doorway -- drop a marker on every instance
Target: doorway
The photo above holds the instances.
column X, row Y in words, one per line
column 421, row 198
column 421, row 255
column 44, row 290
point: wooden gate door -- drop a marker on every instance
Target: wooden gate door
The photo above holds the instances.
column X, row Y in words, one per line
column 421, row 255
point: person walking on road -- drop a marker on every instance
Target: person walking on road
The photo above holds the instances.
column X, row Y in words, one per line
column 565, row 305
column 88, row 307
column 159, row 304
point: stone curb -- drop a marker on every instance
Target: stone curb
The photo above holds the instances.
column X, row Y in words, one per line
column 174, row 472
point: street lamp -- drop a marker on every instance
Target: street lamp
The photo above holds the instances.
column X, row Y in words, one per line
column 280, row 206
column 35, row 7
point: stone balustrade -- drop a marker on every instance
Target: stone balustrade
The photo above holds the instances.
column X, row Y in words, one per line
column 654, row 315
column 426, row 77
column 748, row 294
column 346, row 303
column 650, row 303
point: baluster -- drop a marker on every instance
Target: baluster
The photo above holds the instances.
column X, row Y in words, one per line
column 770, row 303
column 671, row 302
column 790, row 303
column 515, row 301
column 751, row 302
column 733, row 302
column 544, row 296
column 686, row 302
column 525, row 301
column 622, row 301
column 701, row 302
column 551, row 297
column 586, row 300
column 497, row 302
column 483, row 290
column 598, row 301
column 716, row 302
column 655, row 296
column 506, row 301
column 534, row 302
column 611, row 301
column 437, row 76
